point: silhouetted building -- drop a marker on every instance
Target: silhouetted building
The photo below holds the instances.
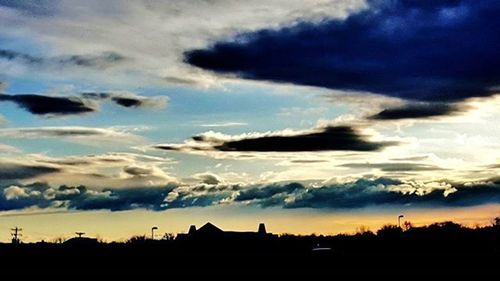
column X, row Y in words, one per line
column 192, row 229
column 262, row 228
column 210, row 231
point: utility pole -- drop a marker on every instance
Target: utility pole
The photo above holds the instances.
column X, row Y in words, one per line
column 16, row 235
column 80, row 234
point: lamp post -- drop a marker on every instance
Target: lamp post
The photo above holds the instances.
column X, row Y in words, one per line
column 153, row 232
column 399, row 220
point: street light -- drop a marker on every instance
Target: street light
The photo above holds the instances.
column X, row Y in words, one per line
column 399, row 220
column 153, row 232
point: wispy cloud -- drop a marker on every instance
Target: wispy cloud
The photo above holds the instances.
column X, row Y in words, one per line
column 100, row 61
column 394, row 166
column 110, row 170
column 12, row 170
column 83, row 135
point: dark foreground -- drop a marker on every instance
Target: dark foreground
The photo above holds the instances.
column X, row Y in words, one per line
column 440, row 249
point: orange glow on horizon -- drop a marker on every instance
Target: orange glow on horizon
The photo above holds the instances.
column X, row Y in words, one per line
column 119, row 226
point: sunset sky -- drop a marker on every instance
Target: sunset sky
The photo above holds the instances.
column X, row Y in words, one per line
column 308, row 115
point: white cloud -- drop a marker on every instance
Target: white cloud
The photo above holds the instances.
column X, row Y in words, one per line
column 14, row 192
column 208, row 178
column 223, row 124
column 82, row 135
column 422, row 188
column 5, row 148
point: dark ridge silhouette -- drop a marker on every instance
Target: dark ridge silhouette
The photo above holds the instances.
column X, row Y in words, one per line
column 441, row 247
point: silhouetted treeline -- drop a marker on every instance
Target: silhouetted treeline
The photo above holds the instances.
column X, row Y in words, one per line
column 437, row 246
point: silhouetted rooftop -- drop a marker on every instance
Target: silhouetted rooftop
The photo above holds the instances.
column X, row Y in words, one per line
column 209, row 229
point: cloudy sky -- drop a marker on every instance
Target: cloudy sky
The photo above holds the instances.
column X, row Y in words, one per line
column 312, row 116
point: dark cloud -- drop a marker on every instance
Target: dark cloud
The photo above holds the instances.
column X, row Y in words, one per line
column 17, row 171
column 419, row 110
column 411, row 158
column 114, row 199
column 267, row 192
column 181, row 81
column 443, row 50
column 83, row 198
column 493, row 166
column 197, row 200
column 25, row 58
column 351, row 195
column 100, row 61
column 57, row 132
column 76, row 105
column 128, row 99
column 68, row 162
column 127, row 102
column 394, row 167
column 48, row 105
column 151, row 198
column 214, row 188
column 332, row 138
column 380, row 192
column 308, row 161
column 138, row 170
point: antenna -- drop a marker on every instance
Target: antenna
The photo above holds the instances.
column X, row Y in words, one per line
column 16, row 235
column 80, row 234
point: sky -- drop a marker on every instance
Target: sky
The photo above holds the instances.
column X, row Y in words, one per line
column 313, row 116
